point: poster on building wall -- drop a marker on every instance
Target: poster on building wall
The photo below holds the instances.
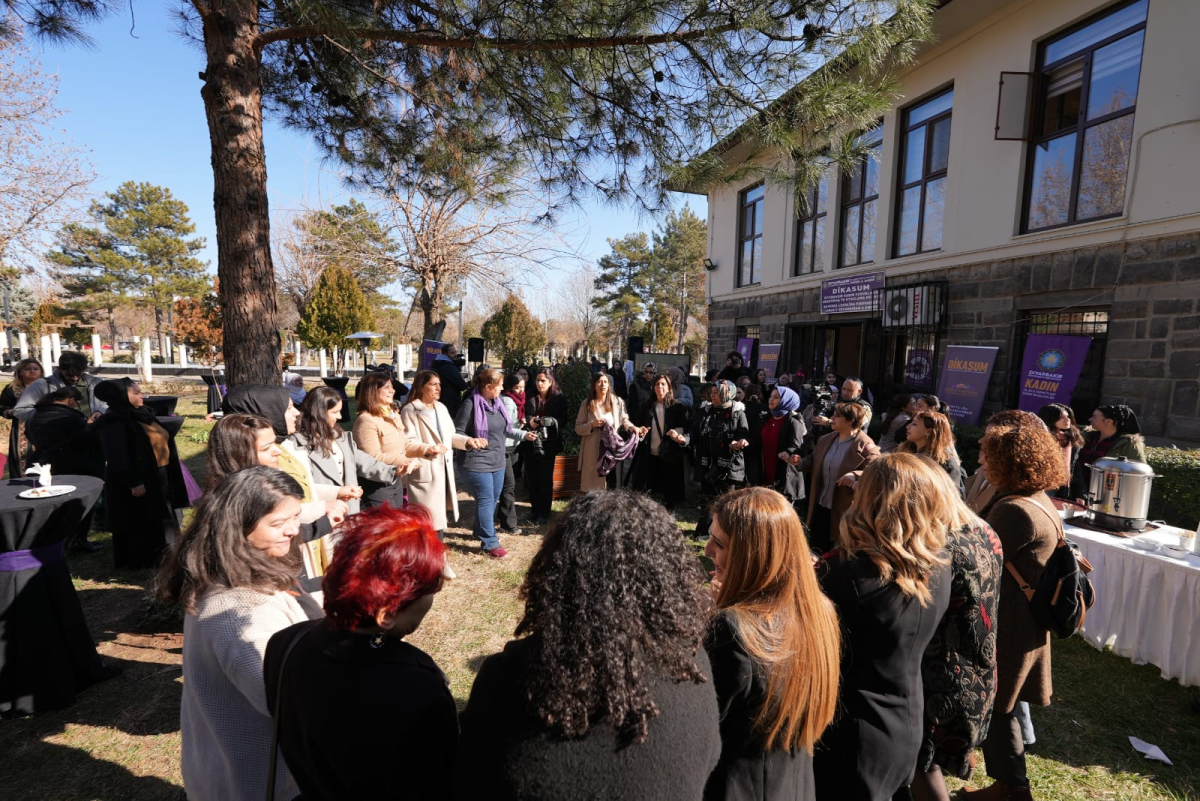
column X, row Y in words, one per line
column 768, row 359
column 1050, row 368
column 430, row 348
column 854, row 293
column 964, row 380
column 745, row 347
column 918, row 370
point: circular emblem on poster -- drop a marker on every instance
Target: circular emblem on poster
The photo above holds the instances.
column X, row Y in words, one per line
column 1051, row 360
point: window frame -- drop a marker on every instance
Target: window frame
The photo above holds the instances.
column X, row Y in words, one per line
column 1081, row 126
column 926, row 177
column 743, row 237
column 820, row 213
column 875, row 137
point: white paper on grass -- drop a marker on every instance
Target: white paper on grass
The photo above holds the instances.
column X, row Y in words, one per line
column 1150, row 750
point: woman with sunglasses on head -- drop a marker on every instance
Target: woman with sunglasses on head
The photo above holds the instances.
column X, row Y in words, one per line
column 774, row 645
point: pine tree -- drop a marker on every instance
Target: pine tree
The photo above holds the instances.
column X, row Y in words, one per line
column 677, row 271
column 138, row 253
column 514, row 334
column 337, row 309
column 624, row 281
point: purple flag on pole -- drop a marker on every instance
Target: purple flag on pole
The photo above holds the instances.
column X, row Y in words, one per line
column 1050, row 368
column 964, row 380
column 768, row 359
column 745, row 347
column 430, row 349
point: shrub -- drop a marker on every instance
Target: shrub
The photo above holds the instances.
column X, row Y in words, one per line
column 121, row 358
column 966, row 442
column 575, row 381
column 1173, row 496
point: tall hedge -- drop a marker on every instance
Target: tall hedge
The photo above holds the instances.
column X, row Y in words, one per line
column 574, row 380
column 1174, row 496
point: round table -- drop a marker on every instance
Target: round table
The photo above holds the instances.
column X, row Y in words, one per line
column 46, row 651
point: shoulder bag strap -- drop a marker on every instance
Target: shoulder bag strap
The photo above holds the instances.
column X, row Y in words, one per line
column 1010, row 567
column 296, row 638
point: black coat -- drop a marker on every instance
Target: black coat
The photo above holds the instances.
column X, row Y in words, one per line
column 505, row 752
column 719, row 464
column 550, row 445
column 620, row 386
column 138, row 524
column 361, row 722
column 640, row 401
column 789, row 479
column 870, row 751
column 746, row 771
column 61, row 437
column 453, row 384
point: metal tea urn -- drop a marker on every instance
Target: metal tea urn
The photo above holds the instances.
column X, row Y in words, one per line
column 1119, row 494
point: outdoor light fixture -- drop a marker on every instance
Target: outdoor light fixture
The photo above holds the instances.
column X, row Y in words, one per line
column 709, row 265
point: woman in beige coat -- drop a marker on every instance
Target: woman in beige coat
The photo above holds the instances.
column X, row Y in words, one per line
column 602, row 408
column 378, row 432
column 428, row 423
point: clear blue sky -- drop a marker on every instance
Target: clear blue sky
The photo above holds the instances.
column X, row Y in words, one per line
column 135, row 103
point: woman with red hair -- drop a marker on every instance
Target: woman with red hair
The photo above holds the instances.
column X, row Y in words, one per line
column 360, row 712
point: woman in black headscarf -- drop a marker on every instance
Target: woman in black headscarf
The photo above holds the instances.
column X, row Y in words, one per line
column 1115, row 433
column 143, row 487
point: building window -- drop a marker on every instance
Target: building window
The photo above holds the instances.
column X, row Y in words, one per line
column 860, row 205
column 924, row 156
column 1083, row 125
column 810, row 228
column 750, row 236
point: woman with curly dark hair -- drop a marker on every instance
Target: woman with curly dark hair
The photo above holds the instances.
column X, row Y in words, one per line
column 1021, row 460
column 607, row 691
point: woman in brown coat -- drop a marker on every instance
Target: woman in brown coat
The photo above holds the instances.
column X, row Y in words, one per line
column 603, row 408
column 844, row 450
column 378, row 432
column 1021, row 459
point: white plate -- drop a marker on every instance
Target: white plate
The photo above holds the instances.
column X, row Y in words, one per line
column 1144, row 545
column 46, row 492
column 1175, row 552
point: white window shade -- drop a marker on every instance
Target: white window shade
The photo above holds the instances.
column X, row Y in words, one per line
column 1013, row 106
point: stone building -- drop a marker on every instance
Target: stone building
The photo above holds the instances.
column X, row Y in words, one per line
column 1040, row 176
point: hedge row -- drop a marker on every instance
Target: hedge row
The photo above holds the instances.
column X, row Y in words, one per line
column 1175, row 497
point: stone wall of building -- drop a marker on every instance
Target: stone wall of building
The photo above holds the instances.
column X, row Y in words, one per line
column 1150, row 287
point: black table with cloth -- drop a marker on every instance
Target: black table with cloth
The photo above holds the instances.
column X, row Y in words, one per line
column 46, row 651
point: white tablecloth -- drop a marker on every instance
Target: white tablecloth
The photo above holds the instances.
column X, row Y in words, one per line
column 1147, row 604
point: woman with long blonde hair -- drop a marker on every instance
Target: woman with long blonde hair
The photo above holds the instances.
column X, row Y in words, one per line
column 774, row 647
column 890, row 581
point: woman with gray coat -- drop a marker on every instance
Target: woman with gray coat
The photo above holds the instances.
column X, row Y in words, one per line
column 335, row 460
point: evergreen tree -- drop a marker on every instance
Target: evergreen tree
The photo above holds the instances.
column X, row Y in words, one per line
column 677, row 271
column 624, row 281
column 514, row 334
column 139, row 253
column 337, row 309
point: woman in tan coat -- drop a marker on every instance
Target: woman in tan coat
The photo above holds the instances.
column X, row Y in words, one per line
column 1021, row 460
column 602, row 408
column 843, row 451
column 378, row 432
column 428, row 423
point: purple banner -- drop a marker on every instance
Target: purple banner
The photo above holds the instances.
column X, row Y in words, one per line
column 1050, row 368
column 918, row 371
column 854, row 293
column 745, row 347
column 964, row 381
column 768, row 359
column 430, row 349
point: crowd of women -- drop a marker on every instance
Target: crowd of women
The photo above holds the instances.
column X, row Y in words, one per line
column 864, row 652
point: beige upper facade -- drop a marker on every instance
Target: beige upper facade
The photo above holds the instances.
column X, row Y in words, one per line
column 987, row 180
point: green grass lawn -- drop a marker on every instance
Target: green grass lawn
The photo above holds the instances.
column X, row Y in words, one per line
column 121, row 739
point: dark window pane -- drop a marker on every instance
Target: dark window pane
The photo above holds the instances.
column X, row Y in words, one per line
column 744, row 263
column 930, row 108
column 853, row 185
column 935, row 213
column 755, row 193
column 914, row 155
column 939, row 147
column 868, row 231
column 804, row 263
column 872, row 187
column 756, row 263
column 906, row 240
column 748, row 221
column 822, row 193
column 1115, row 70
column 818, row 261
column 1098, row 31
column 1050, row 194
column 1064, row 87
column 850, row 237
column 758, row 218
column 1105, row 163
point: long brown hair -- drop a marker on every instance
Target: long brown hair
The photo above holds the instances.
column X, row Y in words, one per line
column 608, row 398
column 366, row 396
column 213, row 551
column 904, row 508
column 668, row 398
column 233, row 445
column 314, row 424
column 784, row 621
column 420, row 381
column 939, row 439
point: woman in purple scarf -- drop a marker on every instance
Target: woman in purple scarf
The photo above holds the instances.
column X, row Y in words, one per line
column 484, row 421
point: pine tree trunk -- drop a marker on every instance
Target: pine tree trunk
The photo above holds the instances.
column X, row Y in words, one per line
column 158, row 330
column 432, row 305
column 232, row 95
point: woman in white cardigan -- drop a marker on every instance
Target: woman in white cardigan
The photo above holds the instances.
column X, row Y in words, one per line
column 428, row 422
column 234, row 572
